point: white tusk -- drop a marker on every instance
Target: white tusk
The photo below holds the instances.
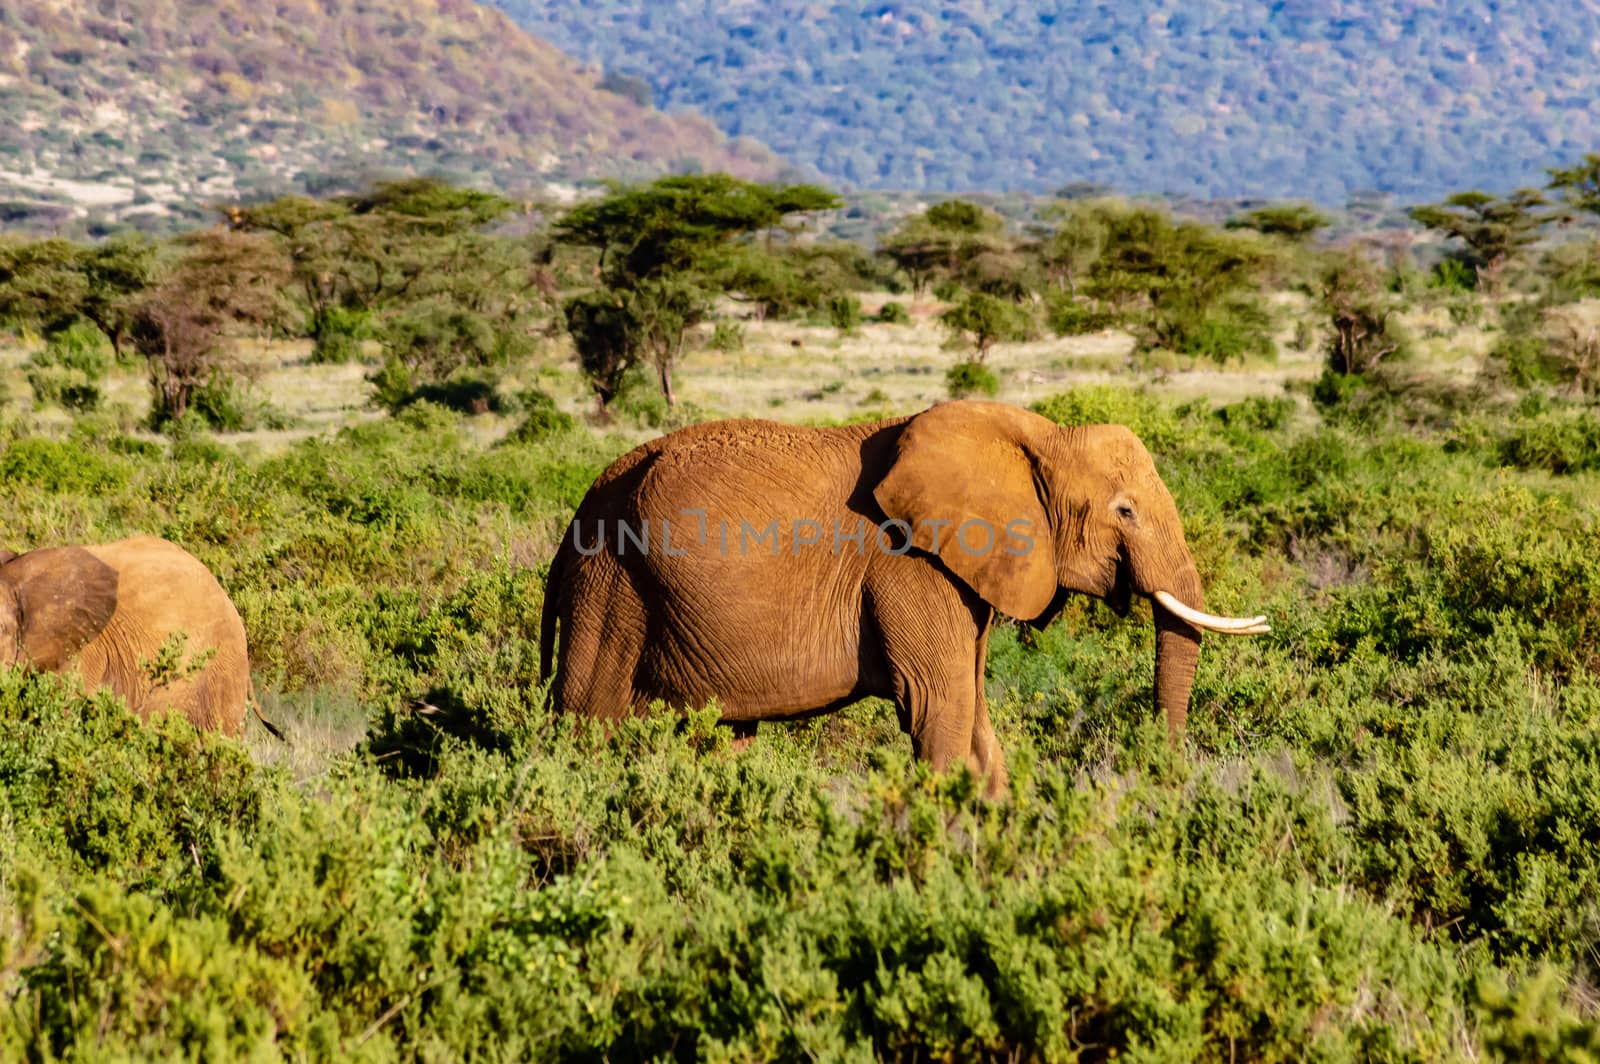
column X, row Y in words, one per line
column 1210, row 622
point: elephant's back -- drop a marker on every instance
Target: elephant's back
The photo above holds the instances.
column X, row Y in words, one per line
column 163, row 591
column 713, row 458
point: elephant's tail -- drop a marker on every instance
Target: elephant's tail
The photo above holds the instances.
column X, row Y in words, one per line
column 255, row 707
column 548, row 617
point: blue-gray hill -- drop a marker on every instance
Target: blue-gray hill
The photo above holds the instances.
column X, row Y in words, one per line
column 1210, row 98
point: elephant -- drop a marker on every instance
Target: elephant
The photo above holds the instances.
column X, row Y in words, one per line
column 141, row 616
column 788, row 571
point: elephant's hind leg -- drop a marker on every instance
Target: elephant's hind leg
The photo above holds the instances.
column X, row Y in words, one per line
column 602, row 643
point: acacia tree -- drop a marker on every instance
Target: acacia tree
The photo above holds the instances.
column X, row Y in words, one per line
column 662, row 250
column 983, row 320
column 1494, row 229
column 1077, row 242
column 1294, row 222
column 40, row 283
column 181, row 325
column 115, row 273
column 376, row 257
column 1185, row 286
column 945, row 239
column 1579, row 185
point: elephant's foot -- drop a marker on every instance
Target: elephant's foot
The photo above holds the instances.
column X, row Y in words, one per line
column 744, row 733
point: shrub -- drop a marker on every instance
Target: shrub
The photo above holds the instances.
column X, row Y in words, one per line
column 1563, row 442
column 971, row 378
column 1101, row 404
column 844, row 313
column 727, row 336
column 893, row 313
column 1259, row 413
column 432, row 341
column 68, row 370
column 59, row 468
column 1453, row 275
column 339, row 338
column 542, row 418
column 1226, row 332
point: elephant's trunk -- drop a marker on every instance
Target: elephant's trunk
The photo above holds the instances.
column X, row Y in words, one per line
column 1177, row 651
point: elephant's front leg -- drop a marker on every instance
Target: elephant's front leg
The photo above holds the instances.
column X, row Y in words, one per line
column 933, row 643
column 988, row 759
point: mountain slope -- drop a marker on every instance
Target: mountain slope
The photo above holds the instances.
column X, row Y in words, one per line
column 154, row 104
column 1200, row 97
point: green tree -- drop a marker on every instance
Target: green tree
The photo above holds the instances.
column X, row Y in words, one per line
column 115, row 273
column 664, row 249
column 605, row 329
column 1579, row 185
column 1187, row 287
column 1361, row 314
column 223, row 279
column 40, row 282
column 983, row 320
column 940, row 242
column 398, row 262
column 1494, row 229
column 1078, row 241
column 1295, row 222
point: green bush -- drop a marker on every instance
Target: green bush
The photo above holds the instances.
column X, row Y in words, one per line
column 69, row 368
column 65, row 387
column 541, row 417
column 844, row 313
column 1258, row 413
column 1563, row 442
column 1102, row 404
column 340, row 336
column 1453, row 275
column 59, row 467
column 893, row 313
column 971, row 378
column 727, row 336
column 1392, row 789
column 1222, row 333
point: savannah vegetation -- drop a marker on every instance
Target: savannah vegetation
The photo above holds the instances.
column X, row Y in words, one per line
column 1379, row 841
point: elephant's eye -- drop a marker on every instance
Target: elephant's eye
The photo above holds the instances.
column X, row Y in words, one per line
column 1125, row 511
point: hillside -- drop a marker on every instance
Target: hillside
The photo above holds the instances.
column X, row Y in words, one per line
column 142, row 111
column 1215, row 98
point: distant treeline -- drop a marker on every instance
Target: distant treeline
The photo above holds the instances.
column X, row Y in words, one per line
column 443, row 288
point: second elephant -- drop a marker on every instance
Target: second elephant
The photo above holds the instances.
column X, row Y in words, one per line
column 141, row 616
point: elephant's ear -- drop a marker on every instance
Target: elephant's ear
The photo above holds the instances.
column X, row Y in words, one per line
column 963, row 479
column 65, row 597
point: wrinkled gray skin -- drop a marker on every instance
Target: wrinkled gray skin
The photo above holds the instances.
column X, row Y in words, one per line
column 104, row 612
column 809, row 629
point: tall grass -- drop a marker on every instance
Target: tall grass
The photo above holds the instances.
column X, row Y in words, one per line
column 1380, row 841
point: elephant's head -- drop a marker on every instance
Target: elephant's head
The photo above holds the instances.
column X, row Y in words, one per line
column 1078, row 509
column 52, row 603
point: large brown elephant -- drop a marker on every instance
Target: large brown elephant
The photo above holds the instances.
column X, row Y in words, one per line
column 141, row 616
column 787, row 571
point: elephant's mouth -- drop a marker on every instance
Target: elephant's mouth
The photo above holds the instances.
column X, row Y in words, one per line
column 1120, row 597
